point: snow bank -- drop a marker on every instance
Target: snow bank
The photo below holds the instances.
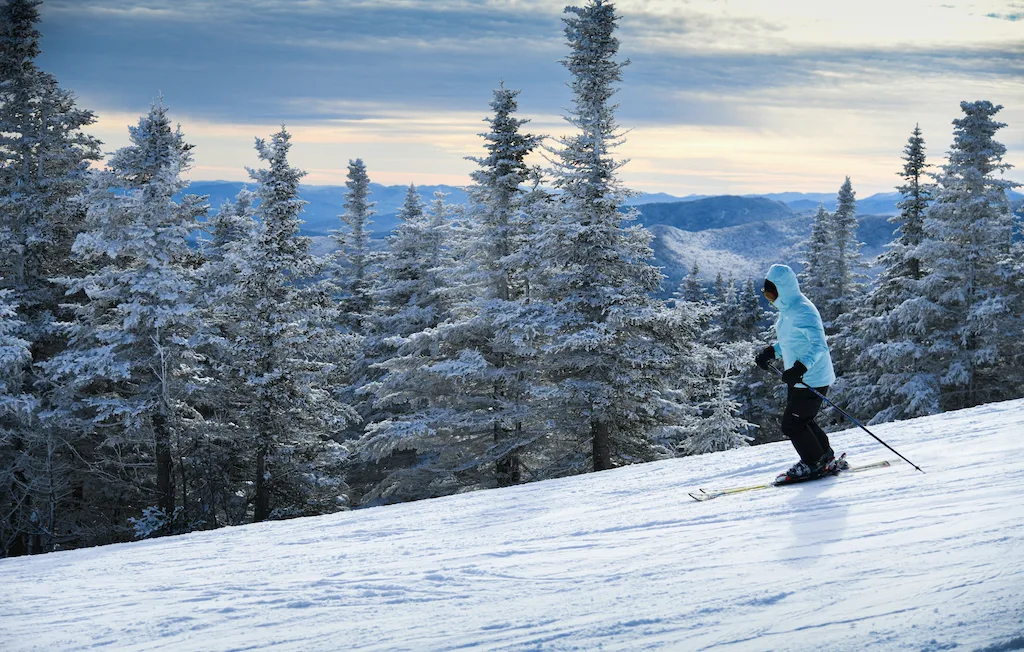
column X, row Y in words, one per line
column 623, row 560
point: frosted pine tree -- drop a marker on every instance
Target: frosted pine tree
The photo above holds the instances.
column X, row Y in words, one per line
column 691, row 288
column 471, row 371
column 1013, row 360
column 844, row 276
column 815, row 273
column 394, row 288
column 731, row 327
column 606, row 392
column 219, row 458
column 44, row 168
column 413, row 300
column 45, row 165
column 886, row 381
column 718, row 288
column 17, row 409
column 964, row 297
column 127, row 372
column 751, row 313
column 899, row 260
column 403, row 289
column 353, row 241
column 720, row 426
column 286, row 346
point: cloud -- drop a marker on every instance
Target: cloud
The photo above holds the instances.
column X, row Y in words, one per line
column 719, row 94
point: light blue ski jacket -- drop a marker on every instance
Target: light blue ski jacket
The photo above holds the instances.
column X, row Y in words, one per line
column 801, row 333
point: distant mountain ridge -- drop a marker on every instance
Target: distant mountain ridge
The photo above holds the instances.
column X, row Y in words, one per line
column 326, row 203
column 737, row 236
column 713, row 212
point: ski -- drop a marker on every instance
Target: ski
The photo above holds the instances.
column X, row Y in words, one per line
column 708, row 494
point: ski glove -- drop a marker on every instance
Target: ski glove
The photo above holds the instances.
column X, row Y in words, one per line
column 764, row 357
column 794, row 374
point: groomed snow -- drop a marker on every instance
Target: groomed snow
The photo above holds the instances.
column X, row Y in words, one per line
column 887, row 559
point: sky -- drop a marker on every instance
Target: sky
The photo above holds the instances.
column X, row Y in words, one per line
column 720, row 96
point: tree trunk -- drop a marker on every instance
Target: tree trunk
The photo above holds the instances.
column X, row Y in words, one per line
column 507, row 468
column 600, row 435
column 262, row 500
column 164, row 471
column 184, row 492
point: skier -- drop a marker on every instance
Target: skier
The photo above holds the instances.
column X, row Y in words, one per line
column 807, row 362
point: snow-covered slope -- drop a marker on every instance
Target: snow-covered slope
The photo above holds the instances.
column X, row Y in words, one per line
column 622, row 560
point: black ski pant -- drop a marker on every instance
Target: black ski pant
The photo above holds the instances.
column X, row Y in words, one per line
column 809, row 440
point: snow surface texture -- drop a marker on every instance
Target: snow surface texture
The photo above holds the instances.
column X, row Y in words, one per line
column 890, row 559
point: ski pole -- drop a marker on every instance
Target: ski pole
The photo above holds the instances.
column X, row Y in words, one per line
column 843, row 412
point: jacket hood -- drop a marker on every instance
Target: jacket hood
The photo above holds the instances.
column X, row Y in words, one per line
column 785, row 282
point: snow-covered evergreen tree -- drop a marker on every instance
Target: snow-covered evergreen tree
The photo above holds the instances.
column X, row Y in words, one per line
column 601, row 360
column 844, row 283
column 285, row 347
column 886, row 381
column 730, row 316
column 412, row 301
column 44, row 168
column 471, row 371
column 127, row 372
column 720, row 427
column 718, row 288
column 354, row 246
column 752, row 313
column 405, row 288
column 815, row 272
column 219, row 455
column 692, row 287
column 17, row 408
column 899, row 260
column 964, row 297
column 45, row 165
column 832, row 276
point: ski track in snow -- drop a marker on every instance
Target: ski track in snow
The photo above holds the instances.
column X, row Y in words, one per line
column 888, row 559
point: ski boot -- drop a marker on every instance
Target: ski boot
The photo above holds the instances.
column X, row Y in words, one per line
column 836, row 464
column 801, row 472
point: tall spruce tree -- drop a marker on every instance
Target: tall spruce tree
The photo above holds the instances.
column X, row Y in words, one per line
column 354, row 245
column 44, row 168
column 718, row 288
column 17, row 409
column 45, row 165
column 476, row 379
column 814, row 275
column 220, row 456
column 286, row 346
column 845, row 279
column 752, row 313
column 692, row 287
column 899, row 261
column 964, row 296
column 127, row 372
column 412, row 303
column 720, row 426
column 886, row 381
column 601, row 360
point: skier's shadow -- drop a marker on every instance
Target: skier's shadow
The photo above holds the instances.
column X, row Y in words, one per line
column 816, row 522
